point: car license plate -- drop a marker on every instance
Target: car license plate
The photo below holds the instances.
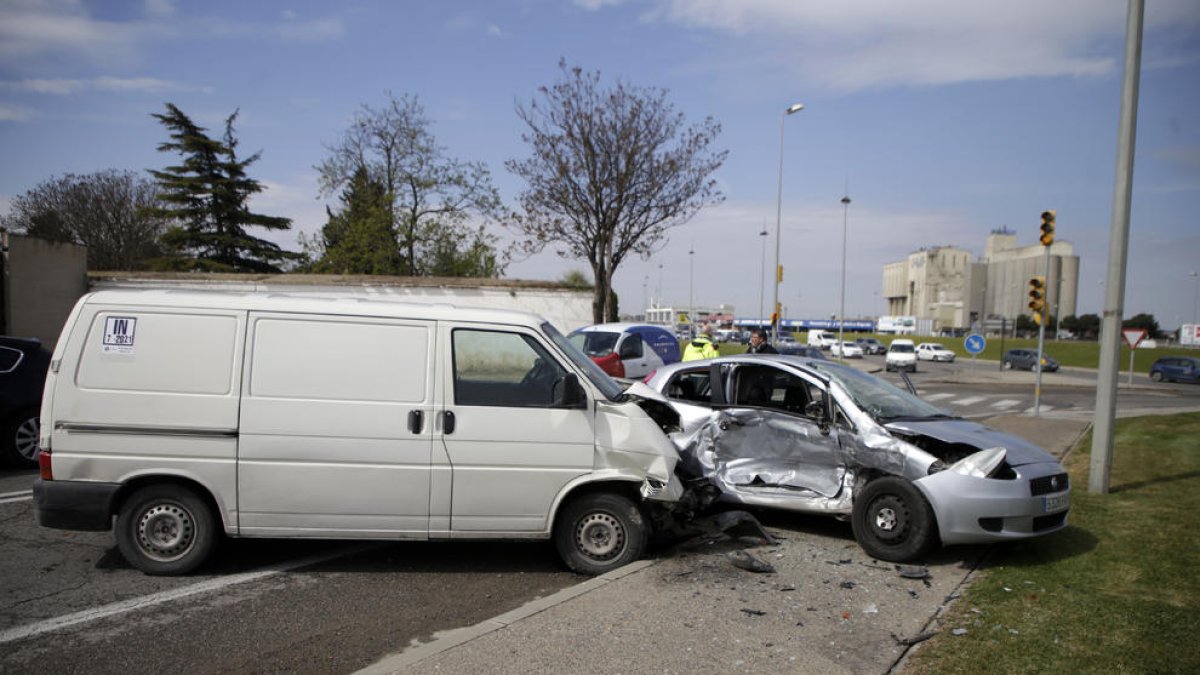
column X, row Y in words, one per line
column 1056, row 502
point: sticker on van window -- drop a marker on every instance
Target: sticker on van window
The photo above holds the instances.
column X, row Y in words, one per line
column 118, row 334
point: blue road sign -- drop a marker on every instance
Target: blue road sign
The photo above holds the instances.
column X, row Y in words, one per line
column 974, row 343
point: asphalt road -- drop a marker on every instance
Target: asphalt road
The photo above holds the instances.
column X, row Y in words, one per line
column 69, row 602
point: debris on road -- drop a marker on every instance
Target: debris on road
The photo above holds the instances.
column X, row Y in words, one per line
column 749, row 562
column 916, row 639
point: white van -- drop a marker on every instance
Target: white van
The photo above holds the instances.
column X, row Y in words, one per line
column 822, row 338
column 188, row 414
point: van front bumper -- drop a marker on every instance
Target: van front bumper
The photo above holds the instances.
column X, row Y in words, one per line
column 74, row 505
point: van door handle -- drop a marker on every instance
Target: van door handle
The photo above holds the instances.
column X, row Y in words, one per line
column 448, row 422
column 416, row 421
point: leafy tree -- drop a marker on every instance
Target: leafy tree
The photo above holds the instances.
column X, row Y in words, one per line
column 610, row 171
column 359, row 238
column 207, row 193
column 105, row 211
column 1145, row 321
column 575, row 279
column 1086, row 326
column 434, row 199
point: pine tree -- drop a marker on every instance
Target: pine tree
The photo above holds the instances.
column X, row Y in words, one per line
column 207, row 194
column 360, row 238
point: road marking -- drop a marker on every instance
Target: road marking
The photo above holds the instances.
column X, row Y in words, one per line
column 1045, row 409
column 970, row 400
column 146, row 601
column 12, row 497
column 1006, row 403
column 938, row 397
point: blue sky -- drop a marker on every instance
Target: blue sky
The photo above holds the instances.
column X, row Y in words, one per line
column 945, row 118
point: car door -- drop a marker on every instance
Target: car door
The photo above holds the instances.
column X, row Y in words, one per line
column 508, row 446
column 635, row 356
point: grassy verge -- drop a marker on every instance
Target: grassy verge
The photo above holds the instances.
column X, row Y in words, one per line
column 1117, row 591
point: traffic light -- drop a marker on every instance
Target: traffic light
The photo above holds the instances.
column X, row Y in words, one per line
column 1037, row 297
column 1047, row 228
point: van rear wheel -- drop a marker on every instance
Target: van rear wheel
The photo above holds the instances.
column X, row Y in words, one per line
column 599, row 532
column 166, row 530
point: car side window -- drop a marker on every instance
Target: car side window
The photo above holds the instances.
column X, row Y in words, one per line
column 693, row 386
column 495, row 368
column 632, row 347
column 767, row 387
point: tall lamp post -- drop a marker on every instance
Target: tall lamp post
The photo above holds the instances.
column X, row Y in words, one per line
column 795, row 108
column 842, row 316
column 691, row 277
column 1196, row 299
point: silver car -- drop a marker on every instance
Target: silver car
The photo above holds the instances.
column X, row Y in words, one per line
column 821, row 437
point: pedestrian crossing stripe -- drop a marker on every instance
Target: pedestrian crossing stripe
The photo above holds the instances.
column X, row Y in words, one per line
column 1005, row 403
column 938, row 397
column 970, row 400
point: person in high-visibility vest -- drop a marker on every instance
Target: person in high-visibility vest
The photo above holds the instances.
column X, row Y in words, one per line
column 701, row 346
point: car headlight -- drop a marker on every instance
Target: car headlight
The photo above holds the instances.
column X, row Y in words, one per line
column 980, row 464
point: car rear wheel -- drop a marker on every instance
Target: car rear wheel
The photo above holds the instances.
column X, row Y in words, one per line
column 1156, row 375
column 1008, row 365
column 20, row 442
column 166, row 530
column 892, row 521
column 599, row 532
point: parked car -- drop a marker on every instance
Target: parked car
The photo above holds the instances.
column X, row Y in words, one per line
column 23, row 365
column 630, row 350
column 1176, row 369
column 846, row 350
column 932, row 351
column 787, row 339
column 804, row 351
column 1027, row 359
column 901, row 355
column 822, row 338
column 822, row 437
column 871, row 346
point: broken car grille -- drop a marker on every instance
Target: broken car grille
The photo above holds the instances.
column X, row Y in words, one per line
column 1047, row 484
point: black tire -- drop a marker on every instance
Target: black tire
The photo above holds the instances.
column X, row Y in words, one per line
column 599, row 532
column 1156, row 375
column 19, row 446
column 892, row 521
column 166, row 530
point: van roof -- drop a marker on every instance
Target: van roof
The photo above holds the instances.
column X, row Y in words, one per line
column 308, row 304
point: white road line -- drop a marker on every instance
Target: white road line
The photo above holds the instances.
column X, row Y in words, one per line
column 13, row 497
column 112, row 609
column 1006, row 403
column 1045, row 409
column 970, row 400
column 937, row 397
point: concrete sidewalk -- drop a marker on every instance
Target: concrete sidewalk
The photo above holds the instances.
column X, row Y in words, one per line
column 828, row 608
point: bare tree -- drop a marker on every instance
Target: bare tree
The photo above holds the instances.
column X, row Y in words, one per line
column 433, row 197
column 107, row 211
column 611, row 170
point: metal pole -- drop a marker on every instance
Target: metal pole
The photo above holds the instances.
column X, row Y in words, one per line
column 842, row 314
column 691, row 276
column 1037, row 387
column 1110, row 325
column 779, row 221
column 762, row 282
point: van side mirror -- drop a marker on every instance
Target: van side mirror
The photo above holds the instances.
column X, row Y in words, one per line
column 568, row 393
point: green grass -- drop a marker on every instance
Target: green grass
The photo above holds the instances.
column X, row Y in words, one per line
column 1117, row 591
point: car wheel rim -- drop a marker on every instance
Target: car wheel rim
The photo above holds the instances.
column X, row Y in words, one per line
column 600, row 536
column 166, row 532
column 26, row 440
column 885, row 519
column 890, row 519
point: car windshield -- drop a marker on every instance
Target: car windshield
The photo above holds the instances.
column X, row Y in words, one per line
column 877, row 397
column 902, row 349
column 607, row 386
column 594, row 343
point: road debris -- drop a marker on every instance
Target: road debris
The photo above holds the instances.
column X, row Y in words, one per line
column 749, row 562
column 916, row 639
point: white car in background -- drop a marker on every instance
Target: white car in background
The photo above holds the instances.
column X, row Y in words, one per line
column 901, row 355
column 932, row 351
column 846, row 350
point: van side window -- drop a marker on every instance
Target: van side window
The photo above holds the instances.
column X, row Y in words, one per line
column 631, row 348
column 493, row 368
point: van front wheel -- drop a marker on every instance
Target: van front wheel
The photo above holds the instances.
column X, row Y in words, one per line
column 600, row 532
column 165, row 530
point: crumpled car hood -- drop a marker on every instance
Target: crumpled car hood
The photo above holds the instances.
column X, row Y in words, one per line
column 966, row 432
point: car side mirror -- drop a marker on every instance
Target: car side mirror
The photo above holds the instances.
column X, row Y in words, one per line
column 568, row 393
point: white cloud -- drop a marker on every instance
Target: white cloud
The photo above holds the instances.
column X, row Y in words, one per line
column 296, row 199
column 14, row 113
column 160, row 8
column 65, row 87
column 870, row 43
column 593, row 5
column 494, row 30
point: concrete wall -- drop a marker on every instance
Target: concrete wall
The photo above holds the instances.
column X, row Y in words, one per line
column 42, row 281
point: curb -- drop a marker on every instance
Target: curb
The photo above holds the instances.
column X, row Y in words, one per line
column 452, row 638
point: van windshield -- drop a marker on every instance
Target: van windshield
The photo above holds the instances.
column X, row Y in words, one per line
column 607, row 386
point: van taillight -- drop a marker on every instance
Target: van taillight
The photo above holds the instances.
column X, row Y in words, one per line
column 44, row 469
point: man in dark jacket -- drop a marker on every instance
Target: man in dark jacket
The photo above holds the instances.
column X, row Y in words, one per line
column 759, row 344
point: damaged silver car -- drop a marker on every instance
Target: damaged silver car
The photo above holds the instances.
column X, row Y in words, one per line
column 820, row 437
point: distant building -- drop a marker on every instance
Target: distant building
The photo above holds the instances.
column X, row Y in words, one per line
column 721, row 315
column 944, row 285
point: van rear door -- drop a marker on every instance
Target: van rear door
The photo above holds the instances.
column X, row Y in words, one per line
column 335, row 429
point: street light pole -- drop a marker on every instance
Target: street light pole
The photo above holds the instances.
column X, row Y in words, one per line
column 691, row 277
column 762, row 282
column 794, row 108
column 1195, row 300
column 842, row 315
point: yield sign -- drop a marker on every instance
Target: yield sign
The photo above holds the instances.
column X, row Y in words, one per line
column 1133, row 336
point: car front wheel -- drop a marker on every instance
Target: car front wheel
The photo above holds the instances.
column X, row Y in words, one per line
column 1156, row 375
column 599, row 532
column 892, row 521
column 166, row 530
column 1008, row 365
